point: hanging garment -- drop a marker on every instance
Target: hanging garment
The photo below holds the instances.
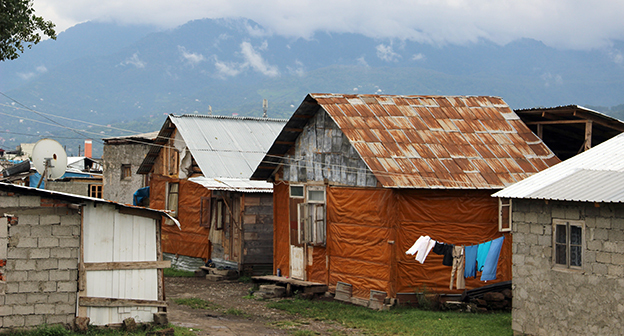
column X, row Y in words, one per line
column 482, row 253
column 458, row 268
column 446, row 250
column 489, row 269
column 471, row 261
column 421, row 247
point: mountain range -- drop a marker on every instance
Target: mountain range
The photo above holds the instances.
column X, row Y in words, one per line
column 129, row 77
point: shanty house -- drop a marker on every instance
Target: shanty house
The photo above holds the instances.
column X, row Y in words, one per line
column 199, row 169
column 359, row 178
column 568, row 244
column 64, row 256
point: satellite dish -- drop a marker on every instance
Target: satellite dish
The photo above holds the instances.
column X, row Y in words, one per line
column 50, row 159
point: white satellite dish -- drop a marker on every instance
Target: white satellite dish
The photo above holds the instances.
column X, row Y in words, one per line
column 50, row 159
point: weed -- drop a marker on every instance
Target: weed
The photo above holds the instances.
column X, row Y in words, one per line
column 245, row 279
column 197, row 303
column 305, row 333
column 174, row 272
column 235, row 312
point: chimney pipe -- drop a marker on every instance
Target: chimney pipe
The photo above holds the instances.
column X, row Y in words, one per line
column 87, row 150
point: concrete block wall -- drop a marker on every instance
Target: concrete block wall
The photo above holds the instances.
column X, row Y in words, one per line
column 113, row 157
column 42, row 252
column 552, row 301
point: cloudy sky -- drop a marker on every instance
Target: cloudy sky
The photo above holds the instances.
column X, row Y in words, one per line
column 575, row 24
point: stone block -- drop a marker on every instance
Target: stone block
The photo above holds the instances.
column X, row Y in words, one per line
column 28, row 287
column 36, row 298
column 615, row 270
column 537, row 229
column 603, row 222
column 11, row 299
column 34, row 320
column 46, row 264
column 81, row 324
column 48, row 286
column 23, row 309
column 594, row 245
column 6, row 310
column 544, row 240
column 572, row 212
column 13, row 321
column 62, row 231
column 48, row 242
column 59, row 298
column 60, row 253
column 61, row 275
column 39, row 253
column 558, row 212
column 41, row 231
column 530, row 217
column 65, row 308
column 590, row 222
column 590, row 257
column 64, row 264
column 603, row 257
column 21, row 230
column 544, row 219
column 29, row 201
column 600, row 234
column 69, row 242
column 617, row 223
column 17, row 253
column 17, row 276
column 531, row 239
column 517, row 216
column 161, row 319
column 38, row 275
column 9, row 201
column 59, row 319
column 4, row 229
column 26, row 265
column 522, row 227
column 23, row 242
column 44, row 309
column 67, row 286
column 50, row 220
column 71, row 219
column 615, row 234
column 599, row 269
column 12, row 287
column 609, row 246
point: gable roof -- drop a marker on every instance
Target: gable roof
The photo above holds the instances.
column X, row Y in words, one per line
column 223, row 147
column 461, row 142
column 596, row 175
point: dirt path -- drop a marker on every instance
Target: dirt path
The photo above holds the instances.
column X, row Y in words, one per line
column 256, row 319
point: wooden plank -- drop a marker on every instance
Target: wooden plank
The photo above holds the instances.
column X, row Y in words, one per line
column 87, row 301
column 588, row 135
column 140, row 212
column 126, row 265
column 555, row 122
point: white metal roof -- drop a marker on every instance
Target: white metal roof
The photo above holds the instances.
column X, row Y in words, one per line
column 596, row 175
column 230, row 184
column 227, row 146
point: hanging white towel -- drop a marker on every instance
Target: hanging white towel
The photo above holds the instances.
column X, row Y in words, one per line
column 421, row 248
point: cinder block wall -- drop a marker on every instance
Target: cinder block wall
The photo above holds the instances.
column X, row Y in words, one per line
column 568, row 302
column 42, row 247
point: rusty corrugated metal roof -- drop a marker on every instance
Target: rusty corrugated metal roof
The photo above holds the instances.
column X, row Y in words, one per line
column 462, row 142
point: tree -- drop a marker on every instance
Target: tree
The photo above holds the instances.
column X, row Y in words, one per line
column 20, row 27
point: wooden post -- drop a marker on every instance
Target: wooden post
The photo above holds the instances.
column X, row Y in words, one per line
column 540, row 131
column 588, row 135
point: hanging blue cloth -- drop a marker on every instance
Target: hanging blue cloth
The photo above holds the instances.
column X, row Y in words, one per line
column 471, row 261
column 140, row 196
column 489, row 269
column 482, row 253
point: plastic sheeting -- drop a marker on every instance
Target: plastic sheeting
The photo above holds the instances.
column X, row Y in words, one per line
column 369, row 230
column 191, row 239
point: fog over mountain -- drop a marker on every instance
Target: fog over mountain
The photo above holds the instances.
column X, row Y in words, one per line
column 130, row 76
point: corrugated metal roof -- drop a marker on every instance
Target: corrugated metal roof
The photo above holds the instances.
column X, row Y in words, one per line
column 230, row 184
column 462, row 142
column 229, row 147
column 596, row 175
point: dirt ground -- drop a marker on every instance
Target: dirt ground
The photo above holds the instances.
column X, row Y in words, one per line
column 256, row 320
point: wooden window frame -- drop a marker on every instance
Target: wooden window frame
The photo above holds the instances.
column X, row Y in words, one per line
column 126, row 172
column 290, row 189
column 168, row 200
column 217, row 212
column 312, row 218
column 97, row 193
column 205, row 211
column 568, row 223
column 505, row 214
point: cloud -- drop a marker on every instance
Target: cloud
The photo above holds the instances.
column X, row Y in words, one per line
column 298, row 69
column 361, row 61
column 134, row 60
column 550, row 79
column 617, row 57
column 557, row 23
column 419, row 57
column 191, row 58
column 28, row 75
column 385, row 53
column 252, row 59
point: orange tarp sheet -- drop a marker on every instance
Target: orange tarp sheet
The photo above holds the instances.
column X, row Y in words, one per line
column 191, row 240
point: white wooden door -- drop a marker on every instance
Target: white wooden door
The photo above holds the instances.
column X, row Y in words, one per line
column 297, row 262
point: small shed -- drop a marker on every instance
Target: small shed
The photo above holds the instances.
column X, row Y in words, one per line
column 568, row 244
column 199, row 169
column 359, row 178
column 65, row 256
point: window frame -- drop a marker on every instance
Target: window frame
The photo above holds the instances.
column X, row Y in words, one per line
column 502, row 210
column 98, row 190
column 219, row 222
column 310, row 229
column 290, row 188
column 126, row 171
column 174, row 212
column 205, row 212
column 568, row 223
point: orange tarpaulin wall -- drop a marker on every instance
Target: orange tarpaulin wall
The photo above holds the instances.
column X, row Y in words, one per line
column 191, row 240
column 369, row 230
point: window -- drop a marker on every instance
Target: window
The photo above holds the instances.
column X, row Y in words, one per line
column 204, row 220
column 95, row 190
column 568, row 243
column 296, row 191
column 172, row 198
column 126, row 171
column 311, row 227
column 218, row 213
column 504, row 214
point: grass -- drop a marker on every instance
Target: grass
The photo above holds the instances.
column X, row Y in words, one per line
column 235, row 312
column 174, row 272
column 399, row 321
column 197, row 303
column 59, row 330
